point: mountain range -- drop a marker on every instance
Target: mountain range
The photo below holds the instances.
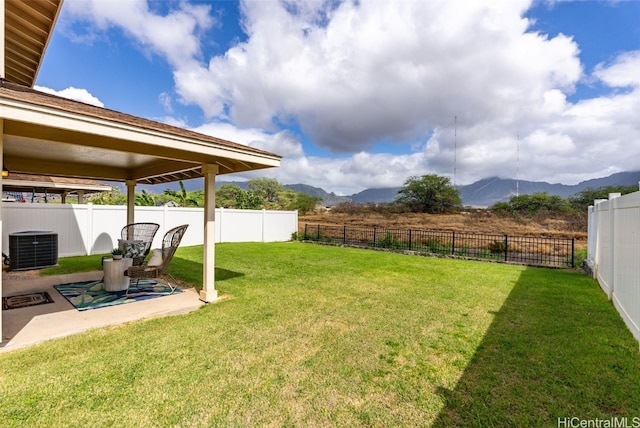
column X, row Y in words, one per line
column 482, row 193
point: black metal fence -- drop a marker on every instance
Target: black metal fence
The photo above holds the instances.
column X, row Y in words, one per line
column 532, row 251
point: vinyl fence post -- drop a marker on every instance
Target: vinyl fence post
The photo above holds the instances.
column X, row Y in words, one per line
column 506, row 247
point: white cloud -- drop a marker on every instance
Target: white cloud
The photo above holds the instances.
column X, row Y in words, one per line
column 72, row 93
column 351, row 74
column 173, row 35
column 345, row 175
column 283, row 143
column 173, row 121
column 623, row 72
column 376, row 70
column 165, row 100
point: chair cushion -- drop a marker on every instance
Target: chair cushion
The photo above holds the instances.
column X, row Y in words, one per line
column 134, row 248
column 156, row 258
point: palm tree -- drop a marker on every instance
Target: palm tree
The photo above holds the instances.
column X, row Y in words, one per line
column 145, row 199
column 183, row 198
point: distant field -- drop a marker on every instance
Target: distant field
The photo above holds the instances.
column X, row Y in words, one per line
column 472, row 221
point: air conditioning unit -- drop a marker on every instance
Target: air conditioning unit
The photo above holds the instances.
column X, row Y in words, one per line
column 33, row 249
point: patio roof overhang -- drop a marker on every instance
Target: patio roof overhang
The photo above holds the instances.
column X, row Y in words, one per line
column 27, row 30
column 46, row 134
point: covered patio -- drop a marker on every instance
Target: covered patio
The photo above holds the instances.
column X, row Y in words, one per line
column 34, row 324
column 53, row 136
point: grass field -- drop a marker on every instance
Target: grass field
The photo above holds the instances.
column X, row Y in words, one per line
column 324, row 336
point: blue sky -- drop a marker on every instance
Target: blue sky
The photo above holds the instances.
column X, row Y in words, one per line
column 362, row 94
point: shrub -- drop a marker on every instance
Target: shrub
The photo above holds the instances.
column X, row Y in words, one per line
column 463, row 251
column 436, row 246
column 533, row 203
column 390, row 241
column 497, row 247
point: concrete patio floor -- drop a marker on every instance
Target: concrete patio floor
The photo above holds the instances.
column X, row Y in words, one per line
column 34, row 324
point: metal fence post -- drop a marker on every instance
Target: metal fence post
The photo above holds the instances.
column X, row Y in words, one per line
column 344, row 235
column 318, row 232
column 453, row 242
column 305, row 232
column 573, row 242
column 506, row 247
column 374, row 237
column 409, row 239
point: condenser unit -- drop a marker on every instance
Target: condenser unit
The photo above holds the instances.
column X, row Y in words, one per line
column 33, row 249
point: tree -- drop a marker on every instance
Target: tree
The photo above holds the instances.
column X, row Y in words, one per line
column 113, row 197
column 429, row 194
column 250, row 200
column 228, row 195
column 306, row 203
column 287, row 199
column 292, row 200
column 586, row 197
column 267, row 187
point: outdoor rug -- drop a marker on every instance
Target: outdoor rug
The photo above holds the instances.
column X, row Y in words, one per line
column 24, row 300
column 92, row 295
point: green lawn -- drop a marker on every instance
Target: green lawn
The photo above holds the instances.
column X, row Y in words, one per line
column 317, row 335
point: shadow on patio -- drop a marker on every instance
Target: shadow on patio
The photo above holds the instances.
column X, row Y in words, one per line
column 552, row 351
column 34, row 324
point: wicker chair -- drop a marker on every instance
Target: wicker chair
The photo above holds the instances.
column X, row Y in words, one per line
column 144, row 232
column 170, row 243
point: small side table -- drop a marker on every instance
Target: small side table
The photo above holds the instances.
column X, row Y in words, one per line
column 114, row 277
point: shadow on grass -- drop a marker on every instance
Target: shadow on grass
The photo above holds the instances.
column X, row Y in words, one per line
column 191, row 271
column 556, row 349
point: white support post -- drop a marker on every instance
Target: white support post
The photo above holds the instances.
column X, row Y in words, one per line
column 131, row 201
column 209, row 292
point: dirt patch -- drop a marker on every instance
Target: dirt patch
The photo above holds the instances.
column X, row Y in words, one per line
column 568, row 226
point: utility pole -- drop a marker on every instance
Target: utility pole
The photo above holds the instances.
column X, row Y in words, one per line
column 518, row 165
column 455, row 147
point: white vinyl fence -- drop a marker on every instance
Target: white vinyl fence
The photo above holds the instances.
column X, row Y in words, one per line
column 95, row 229
column 614, row 253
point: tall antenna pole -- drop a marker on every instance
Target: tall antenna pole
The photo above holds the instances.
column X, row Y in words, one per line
column 518, row 165
column 455, row 147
